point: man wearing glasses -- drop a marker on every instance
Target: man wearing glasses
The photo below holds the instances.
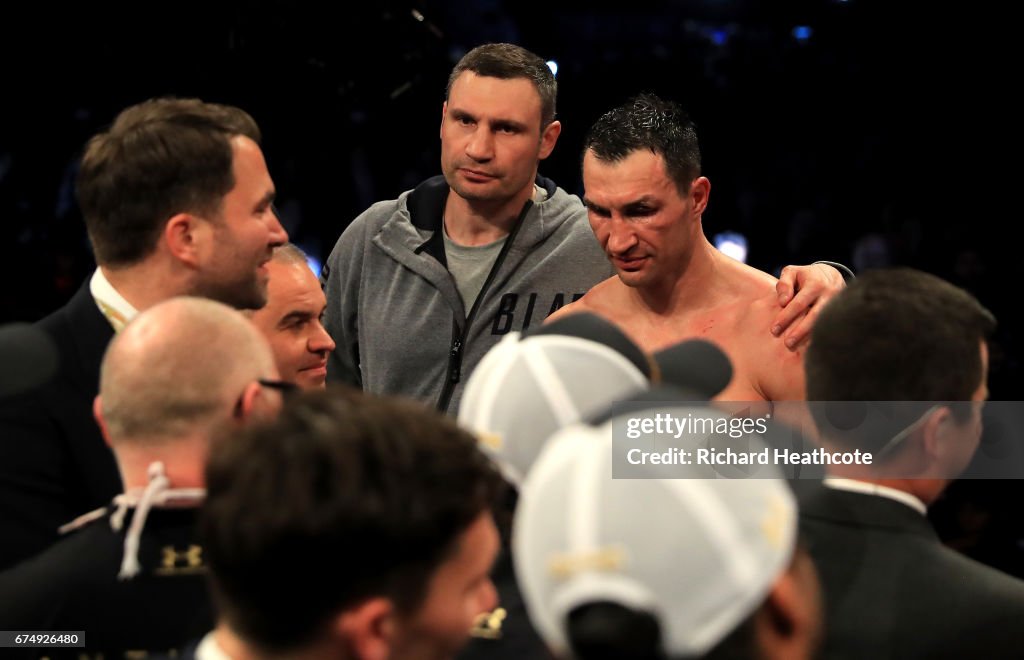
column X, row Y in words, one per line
column 131, row 574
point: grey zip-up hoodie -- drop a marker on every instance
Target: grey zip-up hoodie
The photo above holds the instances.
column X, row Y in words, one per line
column 394, row 310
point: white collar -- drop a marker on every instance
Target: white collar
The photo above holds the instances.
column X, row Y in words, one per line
column 209, row 649
column 855, row 486
column 112, row 304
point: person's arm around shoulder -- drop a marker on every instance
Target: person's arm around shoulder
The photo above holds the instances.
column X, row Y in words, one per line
column 802, row 292
column 778, row 371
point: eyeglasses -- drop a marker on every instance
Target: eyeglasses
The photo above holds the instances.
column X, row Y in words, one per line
column 902, row 435
column 286, row 388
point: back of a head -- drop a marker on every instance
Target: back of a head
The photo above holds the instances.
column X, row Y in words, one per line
column 645, row 567
column 898, row 335
column 648, row 123
column 508, row 61
column 609, row 631
column 529, row 386
column 178, row 368
column 159, row 158
column 341, row 499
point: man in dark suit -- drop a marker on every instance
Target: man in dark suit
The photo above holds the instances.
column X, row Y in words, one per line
column 177, row 201
column 892, row 590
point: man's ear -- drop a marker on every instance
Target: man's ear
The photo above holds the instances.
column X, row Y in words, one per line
column 933, row 432
column 186, row 237
column 700, row 190
column 788, row 622
column 97, row 412
column 444, row 113
column 367, row 629
column 781, row 607
column 248, row 402
column 548, row 138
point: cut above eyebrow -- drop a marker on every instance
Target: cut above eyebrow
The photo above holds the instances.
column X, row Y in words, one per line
column 643, row 204
column 644, row 200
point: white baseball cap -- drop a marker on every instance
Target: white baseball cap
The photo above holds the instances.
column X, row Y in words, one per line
column 699, row 554
column 529, row 386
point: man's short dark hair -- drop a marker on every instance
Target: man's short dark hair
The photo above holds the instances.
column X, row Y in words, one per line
column 344, row 497
column 898, row 335
column 508, row 61
column 605, row 630
column 159, row 158
column 646, row 122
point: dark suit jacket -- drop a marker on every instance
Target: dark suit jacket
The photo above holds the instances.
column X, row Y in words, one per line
column 892, row 590
column 54, row 464
column 73, row 585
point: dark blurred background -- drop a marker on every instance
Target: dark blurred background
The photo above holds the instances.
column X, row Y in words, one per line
column 873, row 133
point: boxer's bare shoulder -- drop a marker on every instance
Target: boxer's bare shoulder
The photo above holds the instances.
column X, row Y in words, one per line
column 603, row 299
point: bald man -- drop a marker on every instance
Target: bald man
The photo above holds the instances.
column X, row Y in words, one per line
column 131, row 575
column 291, row 319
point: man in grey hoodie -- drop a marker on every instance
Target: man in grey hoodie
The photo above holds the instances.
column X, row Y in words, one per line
column 420, row 288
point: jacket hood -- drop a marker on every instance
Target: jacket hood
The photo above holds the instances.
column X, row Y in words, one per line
column 425, row 205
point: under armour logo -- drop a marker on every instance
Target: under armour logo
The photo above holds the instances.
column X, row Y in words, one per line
column 488, row 624
column 175, row 561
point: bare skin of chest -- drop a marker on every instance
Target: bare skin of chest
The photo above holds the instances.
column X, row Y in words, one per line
column 728, row 327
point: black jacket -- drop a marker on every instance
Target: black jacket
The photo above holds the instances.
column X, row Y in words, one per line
column 54, row 464
column 892, row 590
column 74, row 586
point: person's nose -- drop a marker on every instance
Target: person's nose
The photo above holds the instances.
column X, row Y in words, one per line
column 278, row 235
column 480, row 146
column 621, row 237
column 321, row 341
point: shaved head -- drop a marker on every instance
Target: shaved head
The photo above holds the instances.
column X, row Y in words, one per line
column 179, row 367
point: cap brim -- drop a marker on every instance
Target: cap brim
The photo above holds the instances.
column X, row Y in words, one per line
column 695, row 366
